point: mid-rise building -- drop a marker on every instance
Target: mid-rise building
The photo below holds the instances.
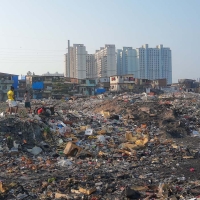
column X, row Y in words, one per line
column 90, row 66
column 76, row 66
column 154, row 63
column 105, row 61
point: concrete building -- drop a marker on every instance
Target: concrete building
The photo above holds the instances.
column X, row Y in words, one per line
column 159, row 83
column 45, row 86
column 154, row 63
column 76, row 66
column 187, row 85
column 126, row 61
column 90, row 66
column 87, row 86
column 6, row 81
column 122, row 83
column 21, row 89
column 105, row 61
column 103, row 83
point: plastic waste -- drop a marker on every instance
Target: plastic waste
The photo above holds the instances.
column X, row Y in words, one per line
column 2, row 115
column 60, row 141
column 78, row 143
column 64, row 163
column 89, row 132
column 16, row 145
column 37, row 117
column 195, row 134
column 101, row 138
column 35, row 150
column 13, row 149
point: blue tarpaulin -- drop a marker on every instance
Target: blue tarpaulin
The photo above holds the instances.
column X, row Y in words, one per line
column 15, row 79
column 37, row 85
column 100, row 91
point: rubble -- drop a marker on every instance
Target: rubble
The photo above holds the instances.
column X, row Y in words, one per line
column 121, row 147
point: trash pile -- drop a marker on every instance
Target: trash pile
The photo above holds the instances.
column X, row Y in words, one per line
column 117, row 147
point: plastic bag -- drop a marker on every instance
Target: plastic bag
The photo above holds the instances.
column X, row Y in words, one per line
column 64, row 163
column 101, row 138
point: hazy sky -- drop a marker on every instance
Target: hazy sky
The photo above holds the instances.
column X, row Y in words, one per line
column 34, row 33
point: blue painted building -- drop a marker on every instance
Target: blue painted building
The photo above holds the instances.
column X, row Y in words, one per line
column 87, row 86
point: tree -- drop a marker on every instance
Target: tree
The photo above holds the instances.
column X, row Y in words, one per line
column 29, row 73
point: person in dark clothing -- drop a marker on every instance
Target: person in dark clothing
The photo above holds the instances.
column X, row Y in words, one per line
column 27, row 98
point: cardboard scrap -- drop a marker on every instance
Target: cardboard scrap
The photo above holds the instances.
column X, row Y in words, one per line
column 87, row 191
column 59, row 195
column 105, row 114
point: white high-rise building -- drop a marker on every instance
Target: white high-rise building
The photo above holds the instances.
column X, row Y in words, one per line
column 90, row 66
column 119, row 56
column 105, row 61
column 76, row 67
column 154, row 63
column 145, row 62
column 126, row 61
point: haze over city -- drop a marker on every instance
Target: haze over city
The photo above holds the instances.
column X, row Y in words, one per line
column 34, row 34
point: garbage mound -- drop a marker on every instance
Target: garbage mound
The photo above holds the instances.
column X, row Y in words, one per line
column 117, row 147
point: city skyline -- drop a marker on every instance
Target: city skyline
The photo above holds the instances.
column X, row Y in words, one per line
column 144, row 62
column 34, row 34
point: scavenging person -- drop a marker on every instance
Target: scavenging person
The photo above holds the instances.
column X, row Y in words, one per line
column 27, row 98
column 43, row 111
column 11, row 100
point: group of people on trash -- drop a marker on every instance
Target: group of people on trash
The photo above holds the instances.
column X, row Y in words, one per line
column 13, row 105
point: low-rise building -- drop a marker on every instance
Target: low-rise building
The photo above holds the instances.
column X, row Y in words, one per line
column 103, row 83
column 159, row 83
column 48, row 85
column 61, row 86
column 187, row 85
column 122, row 83
column 87, row 86
column 6, row 81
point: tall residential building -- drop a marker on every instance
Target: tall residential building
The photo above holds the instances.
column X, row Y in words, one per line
column 76, row 66
column 119, row 56
column 105, row 61
column 145, row 62
column 90, row 66
column 154, row 63
column 126, row 61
